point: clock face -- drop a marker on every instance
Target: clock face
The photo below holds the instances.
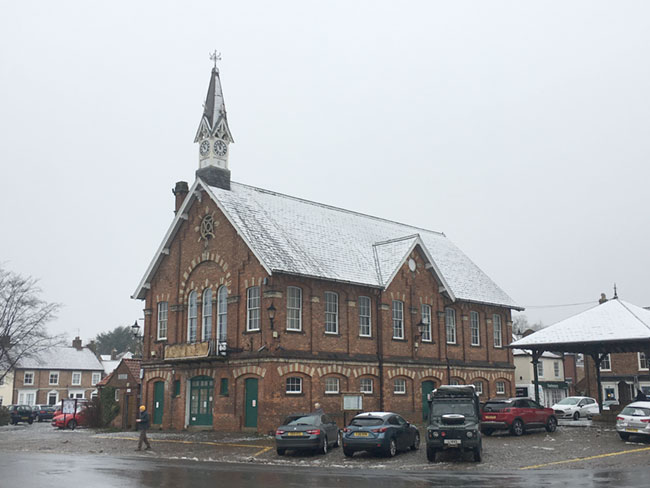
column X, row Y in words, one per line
column 204, row 148
column 220, row 148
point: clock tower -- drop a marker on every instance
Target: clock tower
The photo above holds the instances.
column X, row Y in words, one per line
column 213, row 135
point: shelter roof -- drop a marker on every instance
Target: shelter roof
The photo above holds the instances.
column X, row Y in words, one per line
column 613, row 326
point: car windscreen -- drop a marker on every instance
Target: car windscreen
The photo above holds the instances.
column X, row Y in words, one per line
column 496, row 406
column 365, row 422
column 636, row 411
column 439, row 408
column 302, row 420
column 568, row 401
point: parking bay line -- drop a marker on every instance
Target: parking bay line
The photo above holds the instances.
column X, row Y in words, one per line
column 262, row 449
column 599, row 456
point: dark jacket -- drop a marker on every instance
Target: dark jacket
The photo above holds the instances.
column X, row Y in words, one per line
column 144, row 421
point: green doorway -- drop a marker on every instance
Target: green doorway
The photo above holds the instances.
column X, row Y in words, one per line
column 250, row 408
column 427, row 387
column 201, row 394
column 158, row 401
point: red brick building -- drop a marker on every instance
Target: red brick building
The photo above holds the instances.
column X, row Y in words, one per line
column 259, row 304
column 125, row 379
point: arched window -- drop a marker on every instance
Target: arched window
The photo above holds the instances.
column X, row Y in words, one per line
column 222, row 314
column 207, row 315
column 192, row 312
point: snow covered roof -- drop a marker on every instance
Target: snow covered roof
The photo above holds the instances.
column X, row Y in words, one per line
column 300, row 237
column 609, row 322
column 63, row 358
column 110, row 364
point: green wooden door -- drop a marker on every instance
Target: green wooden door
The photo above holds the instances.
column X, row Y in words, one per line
column 250, row 409
column 201, row 394
column 158, row 401
column 427, row 387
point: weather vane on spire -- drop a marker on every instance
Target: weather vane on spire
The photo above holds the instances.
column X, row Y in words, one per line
column 215, row 56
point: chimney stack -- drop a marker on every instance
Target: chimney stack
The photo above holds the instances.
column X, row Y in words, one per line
column 603, row 299
column 180, row 192
column 76, row 343
column 113, row 354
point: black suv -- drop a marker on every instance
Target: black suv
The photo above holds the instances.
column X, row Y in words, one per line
column 21, row 413
column 454, row 421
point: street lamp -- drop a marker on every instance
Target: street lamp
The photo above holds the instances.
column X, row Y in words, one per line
column 135, row 328
column 422, row 328
column 271, row 311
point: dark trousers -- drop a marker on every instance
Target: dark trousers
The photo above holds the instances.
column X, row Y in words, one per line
column 143, row 438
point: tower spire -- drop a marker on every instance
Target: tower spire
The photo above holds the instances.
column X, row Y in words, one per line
column 213, row 134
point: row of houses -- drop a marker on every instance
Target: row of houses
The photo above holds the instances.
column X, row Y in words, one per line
column 56, row 373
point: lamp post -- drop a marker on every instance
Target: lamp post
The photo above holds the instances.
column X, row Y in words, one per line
column 271, row 312
column 422, row 328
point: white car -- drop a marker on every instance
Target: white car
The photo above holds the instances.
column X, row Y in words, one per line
column 576, row 407
column 634, row 420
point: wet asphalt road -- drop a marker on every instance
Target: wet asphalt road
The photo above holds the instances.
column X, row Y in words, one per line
column 588, row 455
column 40, row 470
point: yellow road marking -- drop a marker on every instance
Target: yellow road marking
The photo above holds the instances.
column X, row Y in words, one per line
column 599, row 456
column 262, row 450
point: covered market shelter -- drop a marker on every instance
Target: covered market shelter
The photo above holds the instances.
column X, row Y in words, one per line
column 613, row 326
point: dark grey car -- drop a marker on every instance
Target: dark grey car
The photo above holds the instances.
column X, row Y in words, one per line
column 316, row 432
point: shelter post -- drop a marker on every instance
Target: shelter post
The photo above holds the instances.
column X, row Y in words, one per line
column 536, row 355
column 598, row 358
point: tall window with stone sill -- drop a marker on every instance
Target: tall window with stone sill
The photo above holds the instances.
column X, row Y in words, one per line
column 364, row 317
column 496, row 322
column 253, row 308
column 222, row 314
column 398, row 319
column 206, row 330
column 474, row 329
column 192, row 313
column 450, row 323
column 294, row 308
column 425, row 312
column 331, row 313
column 162, row 320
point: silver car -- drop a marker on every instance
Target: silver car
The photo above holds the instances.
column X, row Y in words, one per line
column 634, row 420
column 576, row 407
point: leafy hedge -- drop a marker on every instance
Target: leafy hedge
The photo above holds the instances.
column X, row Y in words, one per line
column 5, row 417
column 103, row 409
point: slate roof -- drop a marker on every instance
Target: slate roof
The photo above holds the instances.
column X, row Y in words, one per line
column 300, row 237
column 63, row 358
column 612, row 321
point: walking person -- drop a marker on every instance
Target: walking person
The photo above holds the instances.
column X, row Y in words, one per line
column 143, row 426
column 318, row 409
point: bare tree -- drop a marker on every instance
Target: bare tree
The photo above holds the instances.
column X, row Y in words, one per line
column 23, row 318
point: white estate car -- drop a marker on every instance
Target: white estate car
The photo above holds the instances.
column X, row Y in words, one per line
column 634, row 420
column 575, row 407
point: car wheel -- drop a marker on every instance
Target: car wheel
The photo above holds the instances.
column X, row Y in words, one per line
column 392, row 448
column 348, row 452
column 517, row 427
column 338, row 439
column 576, row 416
column 624, row 435
column 416, row 442
column 477, row 454
column 431, row 454
column 323, row 449
column 30, row 421
column 551, row 424
column 72, row 424
column 488, row 431
column 280, row 451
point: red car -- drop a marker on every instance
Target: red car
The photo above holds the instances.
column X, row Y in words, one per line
column 516, row 415
column 71, row 421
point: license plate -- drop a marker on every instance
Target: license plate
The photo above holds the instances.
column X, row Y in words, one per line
column 452, row 442
column 630, row 429
column 490, row 417
column 361, row 434
column 294, row 433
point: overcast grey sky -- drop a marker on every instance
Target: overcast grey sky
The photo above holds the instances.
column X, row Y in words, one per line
column 520, row 129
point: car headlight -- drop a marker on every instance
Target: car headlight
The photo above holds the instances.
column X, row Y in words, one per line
column 436, row 434
column 470, row 434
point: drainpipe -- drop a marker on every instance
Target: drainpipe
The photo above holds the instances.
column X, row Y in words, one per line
column 380, row 348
